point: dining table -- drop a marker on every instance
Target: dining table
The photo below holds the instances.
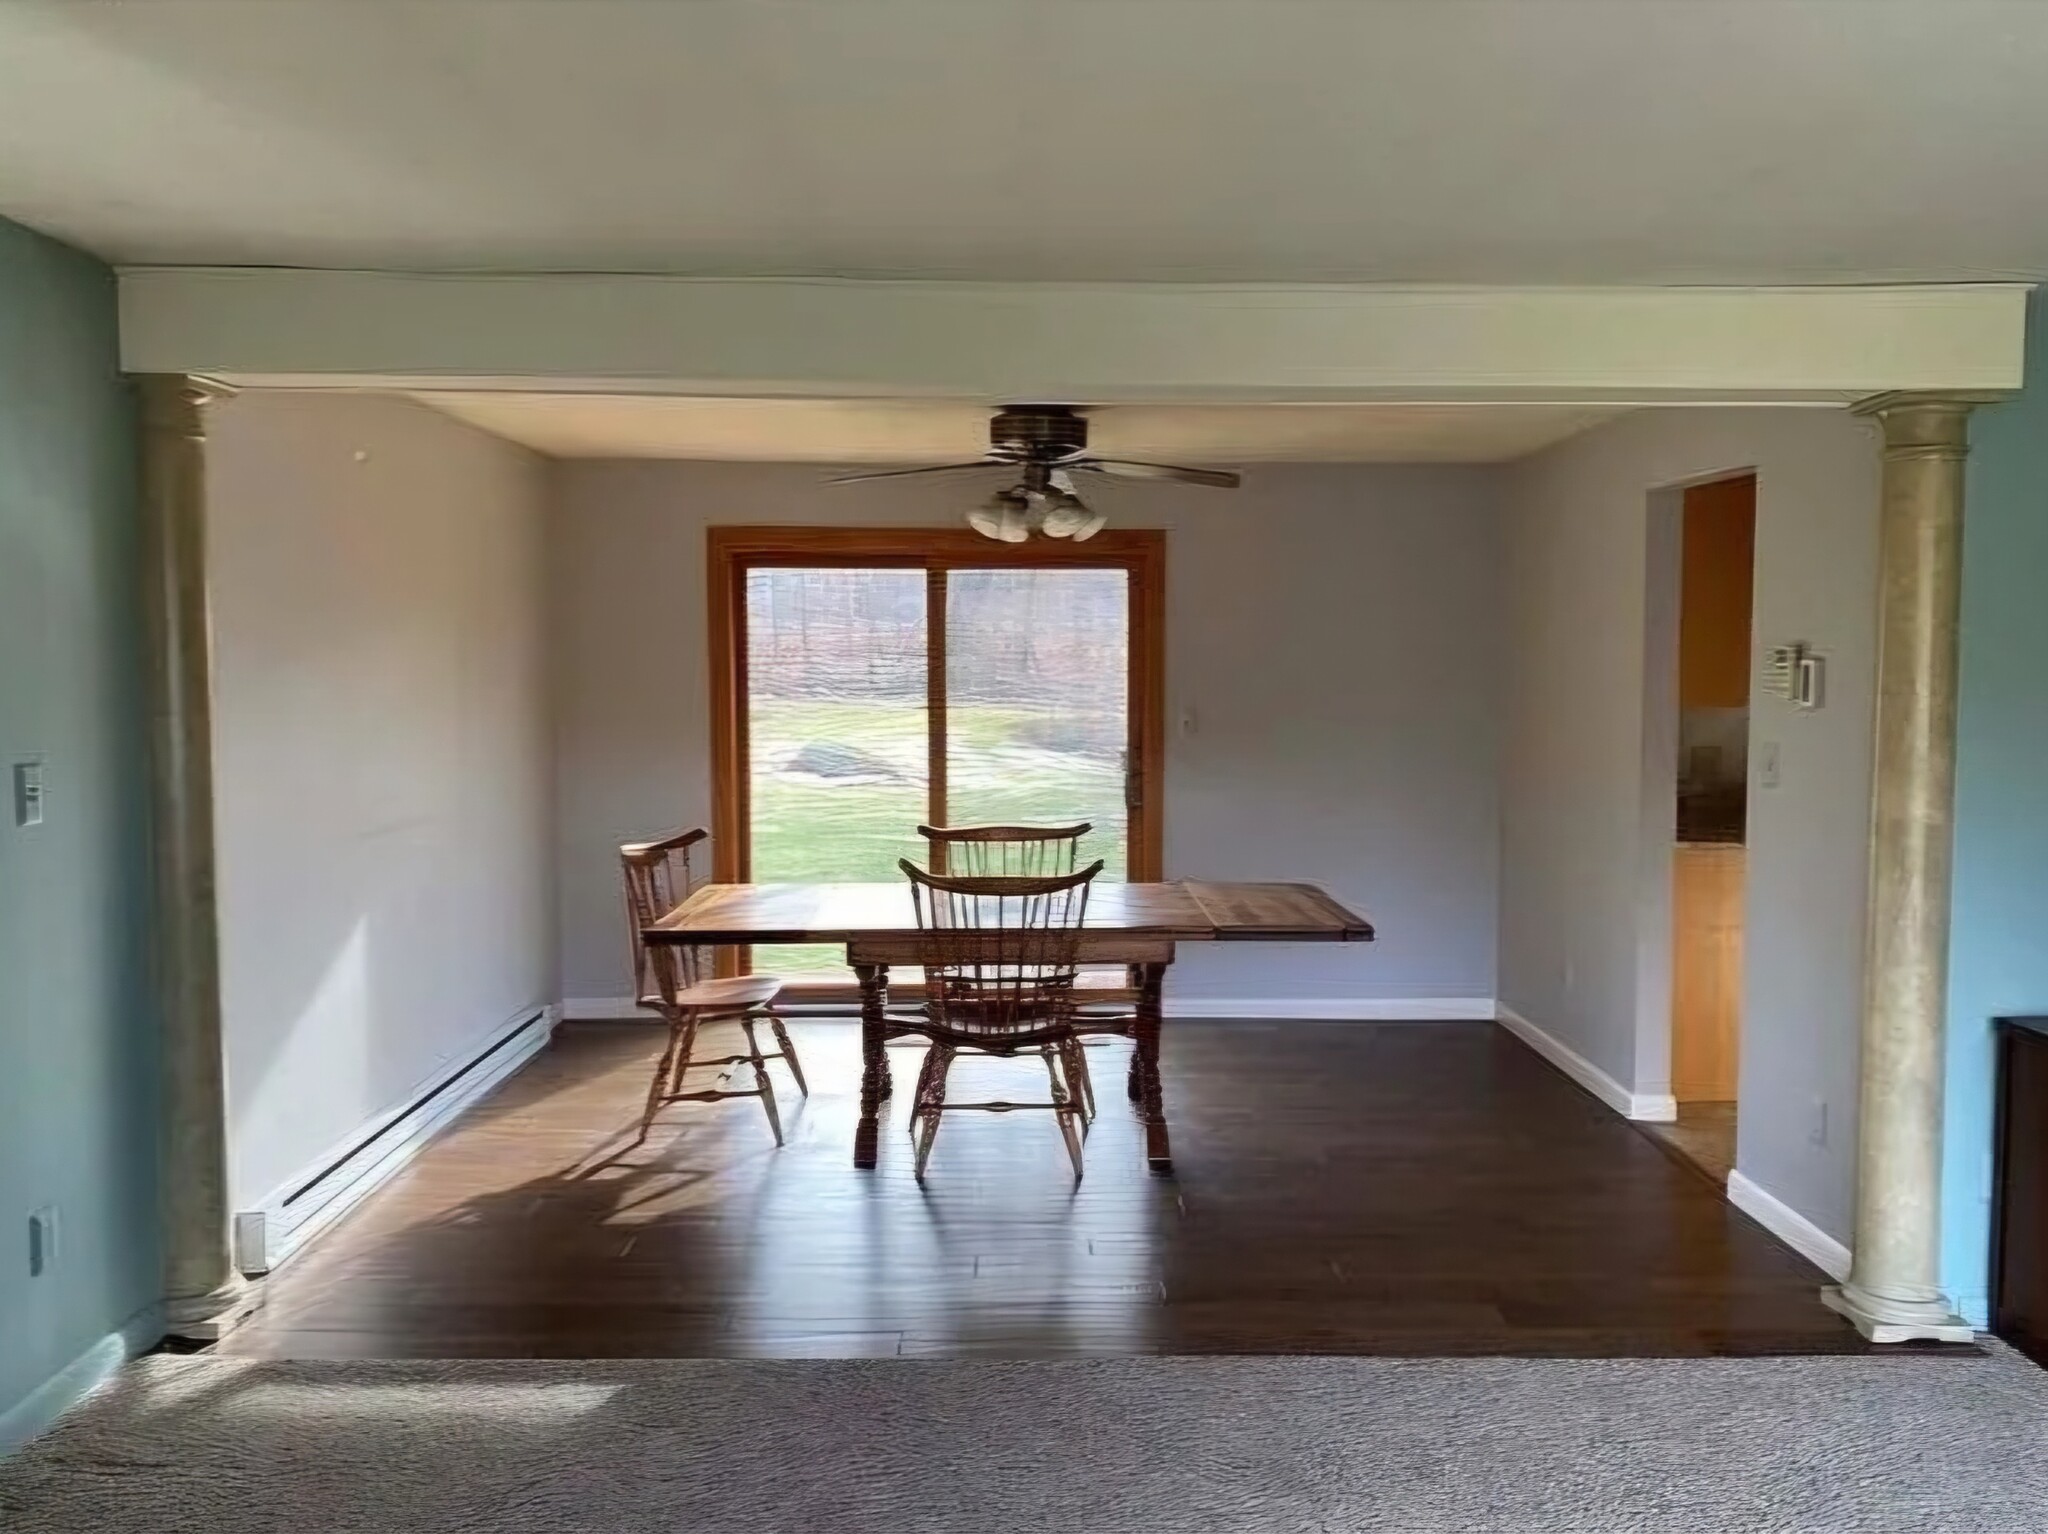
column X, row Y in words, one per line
column 1135, row 926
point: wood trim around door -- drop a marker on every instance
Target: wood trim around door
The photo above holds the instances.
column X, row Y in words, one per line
column 1147, row 640
column 936, row 704
column 731, row 551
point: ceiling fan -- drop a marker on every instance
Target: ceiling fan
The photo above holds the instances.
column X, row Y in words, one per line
column 1048, row 445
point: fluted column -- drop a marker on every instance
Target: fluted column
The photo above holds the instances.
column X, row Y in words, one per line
column 1894, row 1290
column 203, row 1294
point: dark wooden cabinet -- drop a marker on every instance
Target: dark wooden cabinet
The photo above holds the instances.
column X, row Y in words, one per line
column 2019, row 1223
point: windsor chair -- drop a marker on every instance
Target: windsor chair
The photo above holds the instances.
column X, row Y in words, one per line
column 1038, row 852
column 673, row 981
column 1027, row 852
column 1000, row 954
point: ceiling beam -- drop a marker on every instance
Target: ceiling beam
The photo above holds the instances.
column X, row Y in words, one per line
column 1068, row 342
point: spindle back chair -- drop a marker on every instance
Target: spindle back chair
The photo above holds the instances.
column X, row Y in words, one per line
column 1027, row 852
column 676, row 982
column 1000, row 957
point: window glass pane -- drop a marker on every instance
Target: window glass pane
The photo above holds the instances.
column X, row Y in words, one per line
column 1036, row 702
column 836, row 728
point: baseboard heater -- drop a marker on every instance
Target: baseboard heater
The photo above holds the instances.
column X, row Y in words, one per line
column 264, row 1237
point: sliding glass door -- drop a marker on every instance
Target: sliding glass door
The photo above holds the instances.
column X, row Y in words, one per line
column 1037, row 726
column 837, row 727
column 864, row 682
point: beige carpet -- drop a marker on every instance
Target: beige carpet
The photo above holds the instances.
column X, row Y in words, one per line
column 1896, row 1444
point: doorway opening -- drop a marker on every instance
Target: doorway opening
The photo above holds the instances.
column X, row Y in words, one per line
column 1709, row 857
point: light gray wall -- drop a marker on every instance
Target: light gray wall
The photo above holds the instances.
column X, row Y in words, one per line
column 78, row 1084
column 1580, row 856
column 383, row 773
column 1335, row 631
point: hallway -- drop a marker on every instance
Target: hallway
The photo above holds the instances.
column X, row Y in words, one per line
column 1341, row 1188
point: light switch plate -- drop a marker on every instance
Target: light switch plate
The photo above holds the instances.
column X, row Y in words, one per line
column 28, row 793
column 42, row 1241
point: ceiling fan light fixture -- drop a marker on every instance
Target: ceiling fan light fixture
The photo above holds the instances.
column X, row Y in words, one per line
column 1062, row 514
column 1004, row 516
column 1091, row 523
column 1048, row 445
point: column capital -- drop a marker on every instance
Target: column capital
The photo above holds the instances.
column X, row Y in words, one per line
column 175, row 402
column 1928, row 424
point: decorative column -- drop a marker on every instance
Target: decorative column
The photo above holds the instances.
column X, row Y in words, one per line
column 1894, row 1293
column 203, row 1294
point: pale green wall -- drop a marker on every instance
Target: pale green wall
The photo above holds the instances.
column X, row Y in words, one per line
column 1998, row 944
column 78, row 1126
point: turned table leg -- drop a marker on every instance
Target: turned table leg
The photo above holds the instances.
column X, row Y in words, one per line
column 874, row 1063
column 1145, row 1068
column 888, row 1076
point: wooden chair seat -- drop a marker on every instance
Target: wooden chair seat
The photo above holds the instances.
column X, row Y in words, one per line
column 966, row 1033
column 734, row 993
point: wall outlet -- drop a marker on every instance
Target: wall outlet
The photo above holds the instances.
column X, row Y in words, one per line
column 1819, row 1133
column 28, row 793
column 42, row 1241
column 251, row 1243
column 1767, row 773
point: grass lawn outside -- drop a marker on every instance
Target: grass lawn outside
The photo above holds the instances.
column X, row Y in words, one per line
column 853, row 821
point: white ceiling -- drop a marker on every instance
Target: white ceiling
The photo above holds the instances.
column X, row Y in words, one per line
column 869, row 431
column 1291, row 140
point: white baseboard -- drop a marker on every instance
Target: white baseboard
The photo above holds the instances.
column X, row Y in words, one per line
column 1789, row 1226
column 298, row 1210
column 1361, row 1009
column 1648, row 1107
column 78, row 1379
column 1653, row 1107
column 603, row 1009
column 1474, row 1009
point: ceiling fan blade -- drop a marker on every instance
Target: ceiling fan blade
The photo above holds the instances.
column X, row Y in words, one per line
column 937, row 468
column 1131, row 468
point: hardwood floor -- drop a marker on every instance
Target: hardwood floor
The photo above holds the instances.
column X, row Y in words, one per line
column 1389, row 1188
column 1704, row 1134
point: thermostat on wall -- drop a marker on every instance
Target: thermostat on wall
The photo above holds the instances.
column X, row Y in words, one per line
column 1793, row 672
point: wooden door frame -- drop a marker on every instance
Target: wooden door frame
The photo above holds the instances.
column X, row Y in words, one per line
column 730, row 552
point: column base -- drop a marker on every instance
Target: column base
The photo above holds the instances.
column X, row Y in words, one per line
column 210, row 1317
column 1886, row 1321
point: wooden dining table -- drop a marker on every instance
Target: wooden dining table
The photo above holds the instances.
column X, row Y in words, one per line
column 1133, row 925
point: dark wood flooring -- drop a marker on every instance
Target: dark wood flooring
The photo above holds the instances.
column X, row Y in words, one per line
column 1397, row 1188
